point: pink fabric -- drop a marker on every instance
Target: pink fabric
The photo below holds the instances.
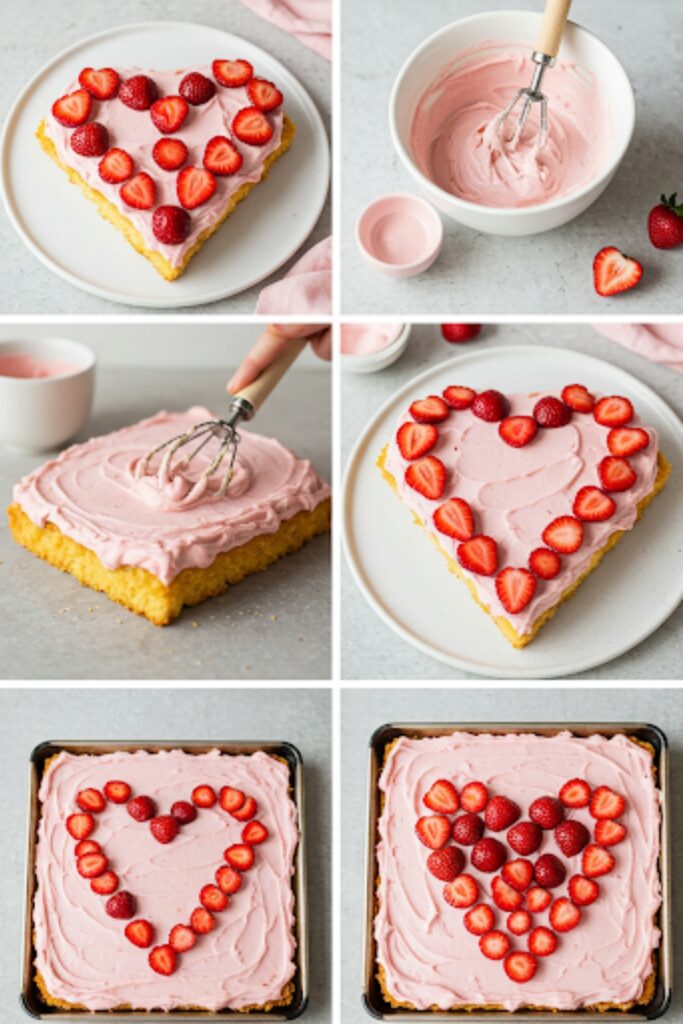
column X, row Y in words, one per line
column 662, row 343
column 306, row 288
column 309, row 20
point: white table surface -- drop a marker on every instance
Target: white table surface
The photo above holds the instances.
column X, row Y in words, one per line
column 364, row 710
column 549, row 273
column 370, row 649
column 28, row 717
column 33, row 35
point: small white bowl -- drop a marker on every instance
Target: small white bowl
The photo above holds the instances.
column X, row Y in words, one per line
column 38, row 414
column 578, row 46
column 399, row 234
column 371, row 362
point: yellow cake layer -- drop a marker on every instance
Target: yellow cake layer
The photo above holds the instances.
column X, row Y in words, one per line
column 142, row 592
column 111, row 213
column 519, row 640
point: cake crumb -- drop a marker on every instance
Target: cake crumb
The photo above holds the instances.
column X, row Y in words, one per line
column 273, row 618
column 194, row 624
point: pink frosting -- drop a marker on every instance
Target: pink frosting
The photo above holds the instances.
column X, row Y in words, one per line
column 457, row 142
column 662, row 343
column 514, row 493
column 363, row 339
column 134, row 131
column 92, row 494
column 29, row 366
column 83, row 953
column 429, row 956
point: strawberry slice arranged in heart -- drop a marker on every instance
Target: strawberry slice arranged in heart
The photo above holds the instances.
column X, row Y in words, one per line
column 251, row 125
column 102, row 83
column 416, row 439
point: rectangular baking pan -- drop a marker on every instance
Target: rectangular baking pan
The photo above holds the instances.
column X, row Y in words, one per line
column 373, row 999
column 30, row 995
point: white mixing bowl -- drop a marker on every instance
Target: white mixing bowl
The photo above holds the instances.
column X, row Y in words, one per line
column 578, row 46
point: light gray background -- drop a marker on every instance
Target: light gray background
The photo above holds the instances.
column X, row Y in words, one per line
column 29, row 717
column 34, row 34
column 370, row 649
column 364, row 710
column 549, row 273
column 273, row 625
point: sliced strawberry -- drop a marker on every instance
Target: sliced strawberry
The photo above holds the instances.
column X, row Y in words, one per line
column 254, row 833
column 91, row 800
column 467, row 829
column 578, row 398
column 105, row 884
column 544, row 563
column 164, row 828
column 92, row 865
column 232, row 73
column 459, row 332
column 141, row 808
column 596, row 861
column 202, row 921
column 474, row 797
column 169, row 113
column 571, row 837
column 140, row 933
column 264, row 95
column 231, row 799
column 222, row 156
column 454, row 518
column 564, row 534
column 537, row 899
column 169, row 154
column 171, row 224
column 116, row 166
column 515, row 588
column 228, row 880
column 605, row 803
column 494, row 945
column 91, row 139
column 575, row 793
column 461, row 892
column 117, row 792
column 162, row 959
column 183, row 812
column 213, row 898
column 564, row 915
column 549, row 871
column 459, row 397
column 479, row 554
column 446, row 864
column 87, row 846
column 195, row 186
column 252, row 126
column 434, row 830
column 442, row 797
column 525, row 837
column 138, row 92
column 73, row 109
column 583, row 891
column 240, row 856
column 488, row 854
column 550, row 412
column 247, row 811
column 121, row 905
column 102, row 83
column 627, row 440
column 479, row 920
column 197, row 89
column 520, row 967
column 614, row 411
column 427, row 476
column 609, row 833
column 430, row 410
column 593, row 505
column 79, row 826
column 546, row 811
column 491, row 406
column 501, row 813
column 518, row 431
column 542, row 941
column 519, row 922
column 140, row 192
column 613, row 272
column 181, row 938
column 518, row 873
column 504, row 895
column 415, row 439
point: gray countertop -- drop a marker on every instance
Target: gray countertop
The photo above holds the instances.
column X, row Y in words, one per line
column 273, row 625
column 370, row 649
column 364, row 710
column 31, row 40
column 31, row 716
column 547, row 273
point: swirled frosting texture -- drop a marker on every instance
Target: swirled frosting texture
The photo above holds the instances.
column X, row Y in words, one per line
column 429, row 957
column 92, row 495
column 457, row 142
column 134, row 131
column 83, row 953
column 515, row 493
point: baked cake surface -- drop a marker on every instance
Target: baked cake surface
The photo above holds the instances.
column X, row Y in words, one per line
column 515, row 493
column 82, row 955
column 427, row 958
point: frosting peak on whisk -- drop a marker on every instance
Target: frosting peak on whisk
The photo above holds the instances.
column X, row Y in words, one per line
column 176, row 485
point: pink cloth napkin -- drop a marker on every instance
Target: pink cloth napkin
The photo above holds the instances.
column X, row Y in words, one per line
column 662, row 343
column 306, row 288
column 309, row 20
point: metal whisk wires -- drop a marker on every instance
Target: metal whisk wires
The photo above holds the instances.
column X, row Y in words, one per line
column 532, row 94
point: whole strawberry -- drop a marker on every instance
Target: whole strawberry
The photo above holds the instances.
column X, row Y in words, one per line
column 665, row 224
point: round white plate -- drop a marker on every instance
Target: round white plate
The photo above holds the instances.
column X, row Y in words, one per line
column 406, row 581
column 65, row 231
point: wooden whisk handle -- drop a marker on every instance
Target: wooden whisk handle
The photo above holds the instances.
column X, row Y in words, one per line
column 552, row 27
column 259, row 389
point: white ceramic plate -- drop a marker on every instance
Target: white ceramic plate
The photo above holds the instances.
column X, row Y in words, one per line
column 406, row 581
column 67, row 234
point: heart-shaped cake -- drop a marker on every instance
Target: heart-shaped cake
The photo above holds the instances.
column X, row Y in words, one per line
column 524, row 494
column 517, row 870
column 161, row 865
column 167, row 155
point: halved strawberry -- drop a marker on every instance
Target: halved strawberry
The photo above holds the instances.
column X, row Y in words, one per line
column 231, row 799
column 609, row 833
column 515, row 588
column 116, row 166
column 518, row 873
column 575, row 793
column 479, row 920
column 430, row 410
column 213, row 898
column 551, row 413
column 181, row 938
column 542, row 941
column 605, row 803
column 537, row 899
column 501, row 812
column 203, row 796
column 169, row 113
column 454, row 518
column 427, row 476
column 474, row 797
column 102, row 83
column 520, row 967
column 91, row 139
column 140, row 933
column 195, row 186
column 564, row 534
column 197, row 89
column 583, row 891
column 232, row 73
column 494, row 945
column 463, row 891
column 627, row 440
column 459, row 397
column 139, row 192
column 479, row 554
column 91, row 800
column 613, row 272
column 504, row 895
column 525, row 837
column 162, row 959
column 442, row 797
column 246, row 811
column 488, row 854
column 228, row 880
column 117, row 792
column 164, row 828
column 518, row 431
column 447, row 863
column 545, row 563
column 252, row 126
column 92, row 865
column 142, row 808
column 86, row 846
column 578, row 398
column 415, row 439
column 138, row 92
column 79, row 826
column 202, row 921
column 240, row 856
column 264, row 95
column 564, row 915
column 519, row 922
column 105, row 884
column 434, row 830
column 222, row 156
column 593, row 505
column 613, row 411
column 73, row 109
column 169, row 154
column 254, row 833
column 121, row 905
column 596, row 861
